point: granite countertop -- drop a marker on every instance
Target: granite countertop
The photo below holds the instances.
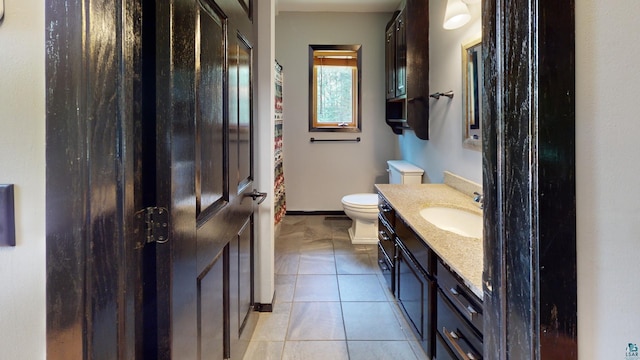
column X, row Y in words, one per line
column 463, row 254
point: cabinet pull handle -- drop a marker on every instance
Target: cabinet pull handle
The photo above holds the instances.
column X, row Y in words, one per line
column 453, row 338
column 385, row 208
column 469, row 310
column 383, row 265
column 383, row 235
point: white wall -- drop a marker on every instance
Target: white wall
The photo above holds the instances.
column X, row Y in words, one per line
column 607, row 172
column 318, row 175
column 444, row 150
column 22, row 162
column 264, row 21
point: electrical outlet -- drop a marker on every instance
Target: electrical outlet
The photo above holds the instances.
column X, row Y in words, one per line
column 7, row 216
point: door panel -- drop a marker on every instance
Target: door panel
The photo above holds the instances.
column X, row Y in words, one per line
column 204, row 131
column 211, row 290
column 245, row 133
column 245, row 271
column 240, row 290
column 211, row 192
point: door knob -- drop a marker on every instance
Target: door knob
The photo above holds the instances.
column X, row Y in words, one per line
column 255, row 194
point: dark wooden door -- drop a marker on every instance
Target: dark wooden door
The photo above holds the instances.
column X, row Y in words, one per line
column 150, row 107
column 204, row 177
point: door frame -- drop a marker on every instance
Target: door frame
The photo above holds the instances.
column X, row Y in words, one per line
column 530, row 278
column 93, row 252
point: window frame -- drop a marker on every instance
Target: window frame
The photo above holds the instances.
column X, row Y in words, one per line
column 313, row 125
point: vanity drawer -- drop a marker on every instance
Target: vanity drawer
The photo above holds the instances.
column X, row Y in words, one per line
column 463, row 300
column 386, row 237
column 387, row 268
column 420, row 252
column 455, row 333
column 386, row 211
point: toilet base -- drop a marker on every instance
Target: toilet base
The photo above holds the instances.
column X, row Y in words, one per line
column 363, row 233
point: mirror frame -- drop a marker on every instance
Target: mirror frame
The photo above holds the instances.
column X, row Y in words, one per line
column 468, row 141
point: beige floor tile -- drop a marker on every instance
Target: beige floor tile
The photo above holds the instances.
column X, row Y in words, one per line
column 285, row 286
column 287, row 246
column 406, row 326
column 371, row 321
column 360, row 288
column 317, row 264
column 264, row 350
column 316, row 288
column 385, row 286
column 315, row 350
column 344, row 247
column 272, row 326
column 316, row 321
column 317, row 232
column 418, row 351
column 354, row 264
column 319, row 246
column 368, row 350
column 287, row 264
column 308, row 314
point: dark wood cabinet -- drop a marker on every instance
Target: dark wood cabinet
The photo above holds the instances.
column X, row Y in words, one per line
column 446, row 316
column 414, row 292
column 459, row 318
column 386, row 243
column 407, row 69
column 390, row 61
column 415, row 283
column 401, row 54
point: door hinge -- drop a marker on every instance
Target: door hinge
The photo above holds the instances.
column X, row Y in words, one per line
column 155, row 221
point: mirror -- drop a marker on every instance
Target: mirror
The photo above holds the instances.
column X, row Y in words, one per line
column 472, row 72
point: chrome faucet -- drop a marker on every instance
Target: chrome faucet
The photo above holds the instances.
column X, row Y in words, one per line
column 479, row 198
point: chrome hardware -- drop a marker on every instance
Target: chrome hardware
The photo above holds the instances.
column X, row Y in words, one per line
column 255, row 194
column 469, row 310
column 453, row 338
column 488, row 286
column 479, row 198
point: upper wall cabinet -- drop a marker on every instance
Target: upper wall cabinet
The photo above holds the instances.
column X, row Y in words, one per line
column 407, row 69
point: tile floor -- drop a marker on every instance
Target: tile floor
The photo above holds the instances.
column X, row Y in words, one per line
column 331, row 299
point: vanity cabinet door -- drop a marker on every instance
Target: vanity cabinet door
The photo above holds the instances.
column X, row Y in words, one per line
column 396, row 57
column 390, row 61
column 401, row 55
column 414, row 292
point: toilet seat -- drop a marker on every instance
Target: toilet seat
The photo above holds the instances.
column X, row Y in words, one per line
column 361, row 201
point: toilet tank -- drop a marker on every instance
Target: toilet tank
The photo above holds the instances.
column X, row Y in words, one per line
column 404, row 172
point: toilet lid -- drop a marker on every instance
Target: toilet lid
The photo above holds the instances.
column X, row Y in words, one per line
column 361, row 200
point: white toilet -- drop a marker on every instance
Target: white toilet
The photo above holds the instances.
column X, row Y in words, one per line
column 363, row 208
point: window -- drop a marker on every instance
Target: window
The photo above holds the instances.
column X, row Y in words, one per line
column 334, row 88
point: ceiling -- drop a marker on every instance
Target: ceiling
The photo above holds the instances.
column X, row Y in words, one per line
column 337, row 5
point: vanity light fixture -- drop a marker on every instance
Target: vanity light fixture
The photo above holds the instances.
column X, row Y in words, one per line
column 456, row 15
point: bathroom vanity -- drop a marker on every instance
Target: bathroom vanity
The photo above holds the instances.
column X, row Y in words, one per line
column 435, row 274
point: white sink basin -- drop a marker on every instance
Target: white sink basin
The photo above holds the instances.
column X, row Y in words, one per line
column 457, row 221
